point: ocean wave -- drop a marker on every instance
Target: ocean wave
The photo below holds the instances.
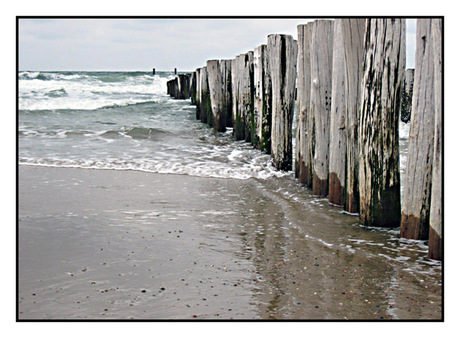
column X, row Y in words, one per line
column 201, row 169
column 88, row 91
column 57, row 93
column 39, row 107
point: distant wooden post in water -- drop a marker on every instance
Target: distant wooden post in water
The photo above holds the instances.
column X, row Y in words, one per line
column 179, row 87
column 379, row 175
column 406, row 100
column 435, row 243
column 216, row 95
column 282, row 56
column 338, row 137
column 353, row 38
column 262, row 99
column 193, row 88
column 184, row 86
column 417, row 186
column 305, row 121
column 320, row 101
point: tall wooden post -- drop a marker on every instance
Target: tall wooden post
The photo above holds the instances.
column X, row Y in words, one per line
column 205, row 100
column 247, row 82
column 226, row 70
column 243, row 95
column 435, row 244
column 198, row 93
column 320, row 101
column 267, row 108
column 216, row 94
column 282, row 53
column 305, row 121
column 260, row 107
column 353, row 38
column 338, row 139
column 417, row 185
column 238, row 129
column 383, row 79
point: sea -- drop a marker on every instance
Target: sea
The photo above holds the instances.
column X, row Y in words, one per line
column 125, row 121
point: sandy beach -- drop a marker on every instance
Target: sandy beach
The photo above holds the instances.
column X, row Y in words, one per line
column 107, row 244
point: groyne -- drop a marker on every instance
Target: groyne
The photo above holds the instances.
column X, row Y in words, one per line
column 352, row 90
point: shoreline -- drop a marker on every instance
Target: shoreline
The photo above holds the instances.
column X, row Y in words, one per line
column 125, row 244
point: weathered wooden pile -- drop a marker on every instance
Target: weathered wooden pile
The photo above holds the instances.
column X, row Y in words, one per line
column 180, row 86
column 351, row 87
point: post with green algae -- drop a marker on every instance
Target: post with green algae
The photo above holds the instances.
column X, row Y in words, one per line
column 435, row 243
column 320, row 101
column 417, row 186
column 305, row 121
column 378, row 127
column 282, row 55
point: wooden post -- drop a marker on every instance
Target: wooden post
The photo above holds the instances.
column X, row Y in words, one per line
column 383, row 78
column 417, row 185
column 238, row 130
column 406, row 100
column 193, row 89
column 320, row 101
column 226, row 69
column 267, row 108
column 338, row 139
column 216, row 94
column 247, row 86
column 175, row 71
column 282, row 54
column 198, row 93
column 260, row 55
column 174, row 88
column 435, row 244
column 305, row 121
column 243, row 96
column 183, row 86
column 205, row 101
column 353, row 38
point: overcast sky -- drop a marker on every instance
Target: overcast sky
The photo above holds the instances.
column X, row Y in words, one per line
column 143, row 44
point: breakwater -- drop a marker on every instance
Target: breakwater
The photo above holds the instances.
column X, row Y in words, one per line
column 350, row 76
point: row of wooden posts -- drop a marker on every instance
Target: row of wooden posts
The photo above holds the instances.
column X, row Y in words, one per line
column 346, row 77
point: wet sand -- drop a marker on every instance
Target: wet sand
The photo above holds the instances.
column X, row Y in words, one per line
column 102, row 244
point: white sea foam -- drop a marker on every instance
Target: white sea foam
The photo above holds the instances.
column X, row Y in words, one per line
column 162, row 166
column 404, row 129
column 86, row 92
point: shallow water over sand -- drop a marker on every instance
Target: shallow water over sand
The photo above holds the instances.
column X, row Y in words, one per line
column 132, row 245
